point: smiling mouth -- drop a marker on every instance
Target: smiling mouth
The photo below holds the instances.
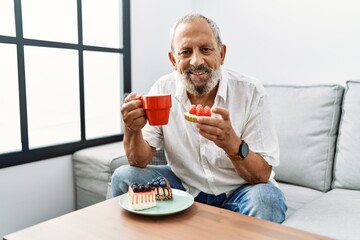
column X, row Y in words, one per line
column 198, row 72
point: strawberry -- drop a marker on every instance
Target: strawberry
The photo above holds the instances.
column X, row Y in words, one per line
column 200, row 111
column 199, row 106
column 207, row 111
column 192, row 109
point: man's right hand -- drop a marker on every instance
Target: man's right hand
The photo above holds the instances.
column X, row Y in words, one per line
column 133, row 114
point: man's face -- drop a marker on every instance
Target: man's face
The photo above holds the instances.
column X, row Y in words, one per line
column 197, row 57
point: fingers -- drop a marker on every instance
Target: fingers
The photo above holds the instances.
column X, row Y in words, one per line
column 223, row 112
column 131, row 96
column 217, row 129
column 133, row 114
column 219, row 116
column 131, row 102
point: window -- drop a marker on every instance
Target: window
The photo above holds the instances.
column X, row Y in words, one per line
column 64, row 68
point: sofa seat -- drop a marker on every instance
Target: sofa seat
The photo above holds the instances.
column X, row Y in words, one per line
column 298, row 196
column 338, row 210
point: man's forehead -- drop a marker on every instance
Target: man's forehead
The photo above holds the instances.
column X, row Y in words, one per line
column 197, row 41
column 194, row 31
column 197, row 23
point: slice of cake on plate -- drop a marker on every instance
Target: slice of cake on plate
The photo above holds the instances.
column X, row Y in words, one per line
column 144, row 196
column 141, row 196
column 162, row 188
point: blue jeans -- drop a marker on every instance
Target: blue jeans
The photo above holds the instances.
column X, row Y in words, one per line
column 265, row 200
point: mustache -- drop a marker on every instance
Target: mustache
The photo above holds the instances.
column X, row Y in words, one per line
column 197, row 68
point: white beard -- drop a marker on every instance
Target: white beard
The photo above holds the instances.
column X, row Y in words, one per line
column 215, row 77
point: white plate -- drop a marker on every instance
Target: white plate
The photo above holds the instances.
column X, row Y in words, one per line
column 181, row 201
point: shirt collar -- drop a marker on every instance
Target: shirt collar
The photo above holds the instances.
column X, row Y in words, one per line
column 180, row 93
column 222, row 90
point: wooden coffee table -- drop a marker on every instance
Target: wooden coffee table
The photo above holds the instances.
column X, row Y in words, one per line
column 108, row 220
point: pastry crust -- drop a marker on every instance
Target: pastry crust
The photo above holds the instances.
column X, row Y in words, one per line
column 191, row 117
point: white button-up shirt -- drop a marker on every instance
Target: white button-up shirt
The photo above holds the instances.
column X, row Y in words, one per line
column 198, row 162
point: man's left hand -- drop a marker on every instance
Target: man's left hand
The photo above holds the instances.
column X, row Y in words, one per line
column 219, row 130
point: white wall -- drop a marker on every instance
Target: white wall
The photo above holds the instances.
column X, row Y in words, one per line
column 277, row 41
column 34, row 192
column 291, row 41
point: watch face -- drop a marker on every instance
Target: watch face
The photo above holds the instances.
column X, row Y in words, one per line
column 244, row 150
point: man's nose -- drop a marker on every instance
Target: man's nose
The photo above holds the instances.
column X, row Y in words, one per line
column 197, row 59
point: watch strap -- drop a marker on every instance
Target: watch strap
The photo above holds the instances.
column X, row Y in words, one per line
column 240, row 156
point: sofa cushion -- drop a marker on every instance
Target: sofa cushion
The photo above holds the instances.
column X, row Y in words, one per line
column 93, row 168
column 306, row 119
column 335, row 214
column 298, row 196
column 347, row 160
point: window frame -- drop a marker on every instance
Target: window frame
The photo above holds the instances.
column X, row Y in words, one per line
column 26, row 155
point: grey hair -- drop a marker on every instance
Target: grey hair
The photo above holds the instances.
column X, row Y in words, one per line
column 192, row 16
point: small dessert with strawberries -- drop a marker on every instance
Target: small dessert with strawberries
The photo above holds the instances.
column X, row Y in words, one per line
column 161, row 187
column 141, row 196
column 197, row 111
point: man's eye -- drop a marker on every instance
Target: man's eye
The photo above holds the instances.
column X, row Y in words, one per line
column 184, row 53
column 206, row 50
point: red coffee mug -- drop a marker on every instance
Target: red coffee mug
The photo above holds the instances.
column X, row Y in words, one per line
column 157, row 108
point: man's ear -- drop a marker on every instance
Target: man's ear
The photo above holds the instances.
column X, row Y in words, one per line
column 172, row 60
column 223, row 53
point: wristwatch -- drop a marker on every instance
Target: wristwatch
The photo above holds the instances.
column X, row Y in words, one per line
column 242, row 153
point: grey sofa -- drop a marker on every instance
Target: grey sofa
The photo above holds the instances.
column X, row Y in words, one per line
column 319, row 136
